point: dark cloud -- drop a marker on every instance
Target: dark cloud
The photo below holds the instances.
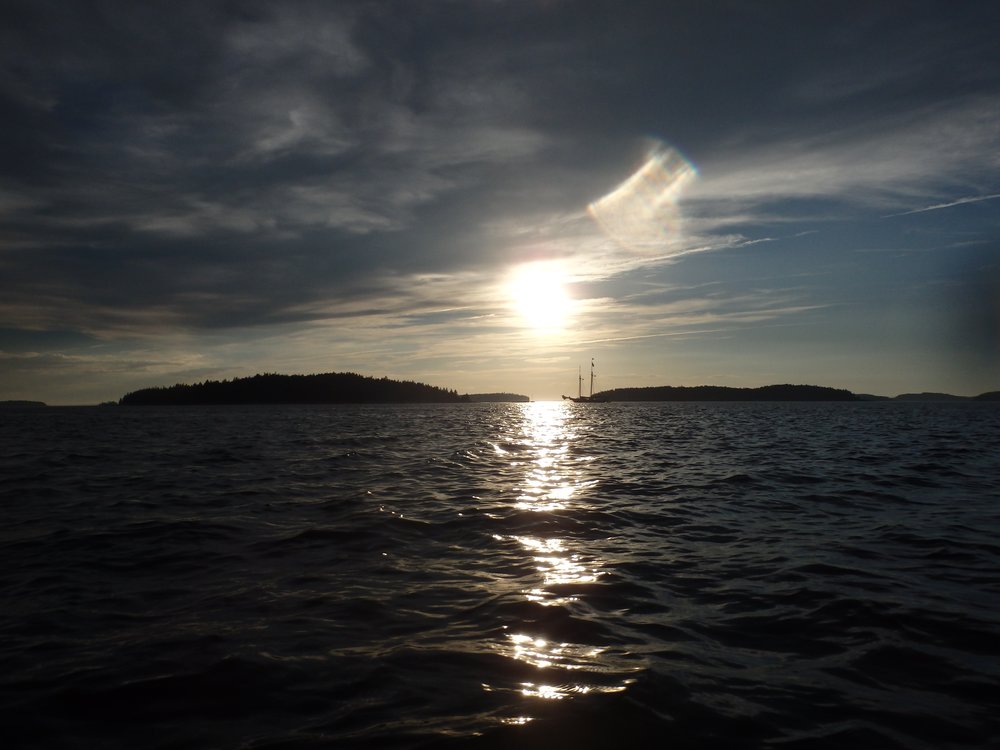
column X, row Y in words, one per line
column 212, row 165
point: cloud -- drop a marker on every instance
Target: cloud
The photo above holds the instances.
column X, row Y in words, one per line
column 888, row 162
column 364, row 175
column 950, row 204
column 306, row 37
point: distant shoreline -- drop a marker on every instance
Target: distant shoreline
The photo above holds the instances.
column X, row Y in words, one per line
column 771, row 393
column 326, row 388
column 350, row 388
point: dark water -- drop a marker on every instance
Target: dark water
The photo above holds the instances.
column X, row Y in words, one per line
column 517, row 575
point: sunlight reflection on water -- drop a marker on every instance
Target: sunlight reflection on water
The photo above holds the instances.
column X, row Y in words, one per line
column 548, row 484
column 366, row 575
column 553, row 483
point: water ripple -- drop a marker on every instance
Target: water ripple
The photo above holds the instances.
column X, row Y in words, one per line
column 530, row 575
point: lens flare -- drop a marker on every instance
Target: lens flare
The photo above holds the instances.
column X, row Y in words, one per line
column 642, row 213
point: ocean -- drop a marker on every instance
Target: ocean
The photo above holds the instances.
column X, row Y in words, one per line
column 541, row 575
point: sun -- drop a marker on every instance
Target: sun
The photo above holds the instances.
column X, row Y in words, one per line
column 538, row 292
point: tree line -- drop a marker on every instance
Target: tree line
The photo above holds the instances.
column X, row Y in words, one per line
column 724, row 393
column 270, row 388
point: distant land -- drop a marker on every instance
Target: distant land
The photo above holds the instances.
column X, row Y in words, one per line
column 327, row 388
column 989, row 396
column 496, row 398
column 723, row 393
column 351, row 388
column 21, row 404
column 771, row 393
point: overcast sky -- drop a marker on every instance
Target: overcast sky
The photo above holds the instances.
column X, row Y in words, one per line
column 483, row 195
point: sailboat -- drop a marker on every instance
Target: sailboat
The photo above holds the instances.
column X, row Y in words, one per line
column 580, row 398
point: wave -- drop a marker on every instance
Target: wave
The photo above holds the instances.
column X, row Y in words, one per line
column 743, row 576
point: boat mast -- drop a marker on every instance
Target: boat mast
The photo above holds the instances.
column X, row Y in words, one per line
column 579, row 386
column 591, row 377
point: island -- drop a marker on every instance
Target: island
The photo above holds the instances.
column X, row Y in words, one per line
column 725, row 393
column 352, row 388
column 508, row 398
column 15, row 404
column 772, row 393
column 930, row 396
column 326, row 388
column 926, row 396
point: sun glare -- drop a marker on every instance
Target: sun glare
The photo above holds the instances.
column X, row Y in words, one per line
column 539, row 295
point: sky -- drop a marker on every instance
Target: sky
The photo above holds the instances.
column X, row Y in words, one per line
column 486, row 195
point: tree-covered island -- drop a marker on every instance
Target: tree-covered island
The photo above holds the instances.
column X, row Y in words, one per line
column 326, row 388
column 351, row 388
column 724, row 393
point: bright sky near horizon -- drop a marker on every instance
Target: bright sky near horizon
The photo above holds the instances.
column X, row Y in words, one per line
column 484, row 195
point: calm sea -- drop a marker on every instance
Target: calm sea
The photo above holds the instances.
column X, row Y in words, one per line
column 511, row 575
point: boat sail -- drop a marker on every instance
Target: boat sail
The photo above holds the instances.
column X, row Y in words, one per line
column 580, row 398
